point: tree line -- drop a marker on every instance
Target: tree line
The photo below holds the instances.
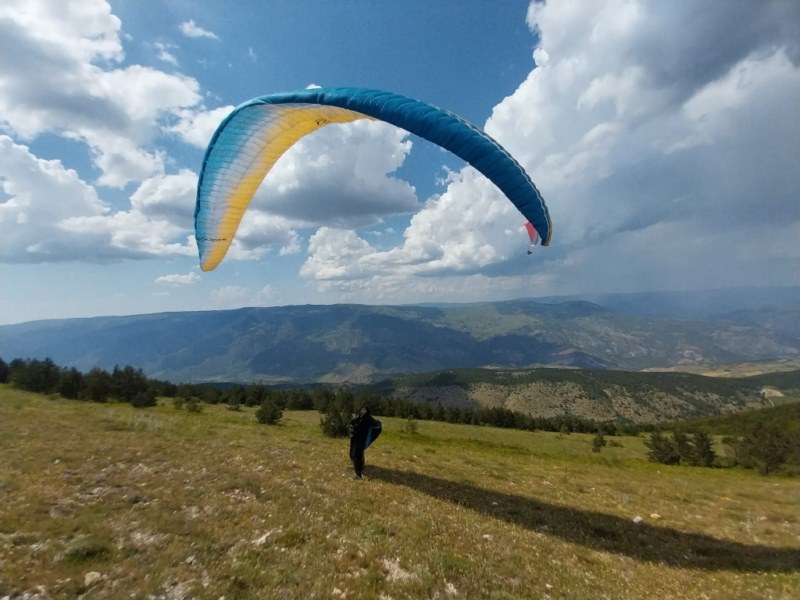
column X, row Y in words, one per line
column 595, row 382
column 129, row 384
column 765, row 440
column 765, row 447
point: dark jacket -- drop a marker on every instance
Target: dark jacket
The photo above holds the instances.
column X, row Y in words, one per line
column 363, row 431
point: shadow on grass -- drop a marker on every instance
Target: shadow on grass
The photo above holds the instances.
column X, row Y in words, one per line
column 601, row 531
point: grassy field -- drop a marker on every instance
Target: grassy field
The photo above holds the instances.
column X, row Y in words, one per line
column 167, row 504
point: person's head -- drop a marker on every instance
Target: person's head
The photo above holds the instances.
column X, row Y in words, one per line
column 364, row 411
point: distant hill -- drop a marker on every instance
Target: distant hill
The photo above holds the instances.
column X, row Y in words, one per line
column 599, row 395
column 361, row 344
column 721, row 304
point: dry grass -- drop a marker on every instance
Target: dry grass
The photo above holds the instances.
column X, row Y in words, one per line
column 167, row 504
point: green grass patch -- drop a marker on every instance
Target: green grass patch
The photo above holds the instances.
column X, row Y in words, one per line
column 166, row 503
column 87, row 548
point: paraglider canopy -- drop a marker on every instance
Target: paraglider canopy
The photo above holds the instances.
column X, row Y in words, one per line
column 250, row 140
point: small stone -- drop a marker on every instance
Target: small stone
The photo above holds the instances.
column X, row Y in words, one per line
column 92, row 578
column 655, row 516
column 548, row 586
column 486, row 536
column 637, row 519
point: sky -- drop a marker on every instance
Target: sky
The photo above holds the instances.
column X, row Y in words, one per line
column 664, row 137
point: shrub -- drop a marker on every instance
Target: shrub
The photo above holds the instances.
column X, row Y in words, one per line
column 87, row 548
column 335, row 421
column 337, row 411
column 411, row 426
column 269, row 413
column 598, row 442
column 193, row 405
column 144, row 399
column 178, row 402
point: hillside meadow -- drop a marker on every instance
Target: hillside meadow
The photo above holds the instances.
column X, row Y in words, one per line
column 107, row 501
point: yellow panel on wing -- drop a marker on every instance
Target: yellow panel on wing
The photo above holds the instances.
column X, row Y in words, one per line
column 284, row 126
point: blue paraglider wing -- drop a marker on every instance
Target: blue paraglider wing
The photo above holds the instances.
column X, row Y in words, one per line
column 253, row 137
column 373, row 433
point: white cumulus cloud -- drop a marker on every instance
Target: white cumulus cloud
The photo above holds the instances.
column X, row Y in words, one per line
column 30, row 218
column 196, row 127
column 663, row 145
column 179, row 279
column 65, row 79
column 237, row 296
column 167, row 197
column 164, row 52
column 193, row 30
column 52, row 215
column 340, row 176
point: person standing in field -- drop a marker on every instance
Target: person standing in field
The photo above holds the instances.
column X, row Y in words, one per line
column 364, row 430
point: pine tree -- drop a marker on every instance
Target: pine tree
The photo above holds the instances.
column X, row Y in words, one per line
column 662, row 449
column 128, row 383
column 70, row 383
column 3, row 371
column 683, row 448
column 702, row 450
column 96, row 385
column 767, row 447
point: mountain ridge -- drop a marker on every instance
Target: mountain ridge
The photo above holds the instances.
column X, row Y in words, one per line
column 362, row 343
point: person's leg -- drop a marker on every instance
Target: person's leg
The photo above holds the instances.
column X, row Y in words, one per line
column 354, row 456
column 358, row 463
